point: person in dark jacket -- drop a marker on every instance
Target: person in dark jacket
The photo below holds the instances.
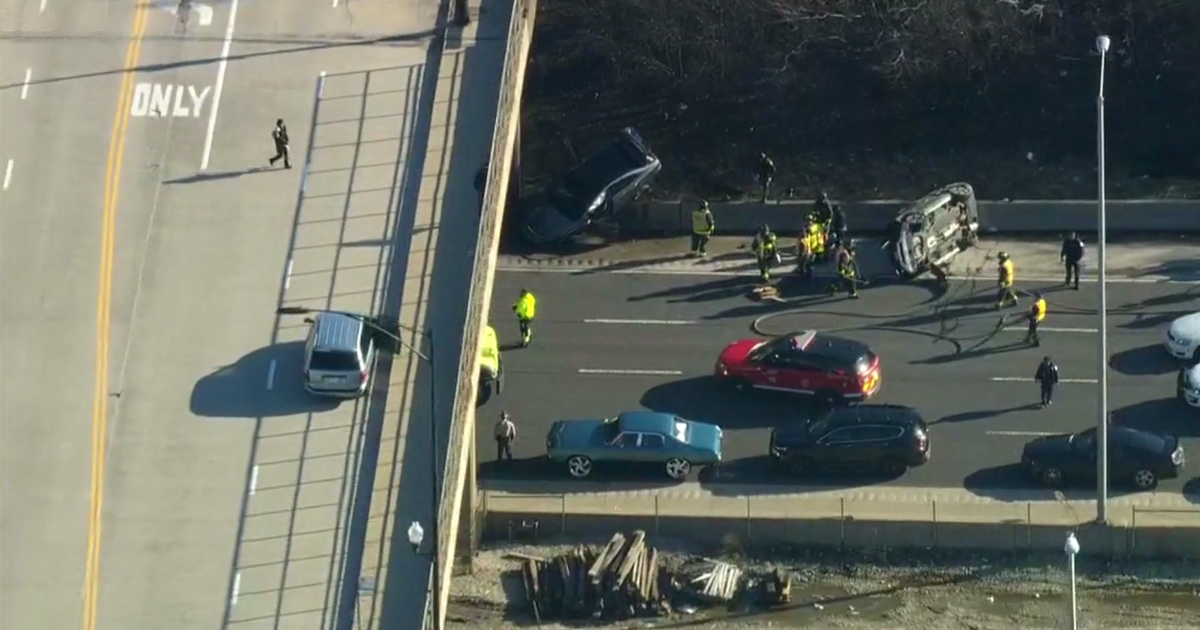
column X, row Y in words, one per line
column 838, row 229
column 1047, row 378
column 1070, row 255
column 764, row 172
column 279, row 136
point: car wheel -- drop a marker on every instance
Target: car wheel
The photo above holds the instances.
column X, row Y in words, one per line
column 1052, row 477
column 1145, row 479
column 579, row 466
column 893, row 467
column 678, row 468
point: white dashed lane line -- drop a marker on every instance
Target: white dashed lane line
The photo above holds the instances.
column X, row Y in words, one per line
column 611, row 372
column 8, row 173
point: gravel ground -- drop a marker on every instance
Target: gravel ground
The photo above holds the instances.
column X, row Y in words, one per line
column 884, row 591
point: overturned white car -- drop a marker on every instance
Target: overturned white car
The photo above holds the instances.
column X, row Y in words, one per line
column 929, row 232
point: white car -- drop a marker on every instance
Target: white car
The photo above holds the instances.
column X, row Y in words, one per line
column 1183, row 338
column 1188, row 385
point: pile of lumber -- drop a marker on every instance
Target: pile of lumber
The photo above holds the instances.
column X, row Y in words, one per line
column 624, row 579
column 714, row 581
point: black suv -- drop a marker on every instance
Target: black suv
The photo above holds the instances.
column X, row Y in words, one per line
column 599, row 187
column 1135, row 458
column 883, row 439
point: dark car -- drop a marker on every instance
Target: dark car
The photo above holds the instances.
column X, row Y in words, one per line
column 656, row 441
column 931, row 230
column 599, row 187
column 834, row 370
column 1136, row 458
column 883, row 439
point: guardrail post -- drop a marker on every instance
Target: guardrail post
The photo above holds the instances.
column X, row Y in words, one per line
column 462, row 14
column 656, row 523
column 842, row 522
column 933, row 508
column 562, row 515
column 747, row 519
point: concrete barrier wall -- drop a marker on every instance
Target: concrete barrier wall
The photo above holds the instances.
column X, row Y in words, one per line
column 657, row 218
column 459, row 468
column 1151, row 538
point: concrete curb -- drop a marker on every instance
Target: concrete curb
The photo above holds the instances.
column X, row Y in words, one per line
column 1138, row 527
column 1135, row 216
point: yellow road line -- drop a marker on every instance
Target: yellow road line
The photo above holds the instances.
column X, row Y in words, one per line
column 112, row 184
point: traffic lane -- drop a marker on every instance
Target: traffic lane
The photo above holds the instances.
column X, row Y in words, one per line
column 977, row 437
column 50, row 241
column 591, row 295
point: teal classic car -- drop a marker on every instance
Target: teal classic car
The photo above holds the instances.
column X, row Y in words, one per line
column 657, row 441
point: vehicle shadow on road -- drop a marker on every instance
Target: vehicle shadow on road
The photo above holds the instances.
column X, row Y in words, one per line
column 1164, row 415
column 759, row 475
column 971, row 354
column 1144, row 361
column 1011, row 484
column 703, row 400
column 1177, row 270
column 540, row 475
column 262, row 384
column 982, row 414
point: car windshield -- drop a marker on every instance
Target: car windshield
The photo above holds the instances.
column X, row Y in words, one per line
column 779, row 345
column 681, row 430
column 329, row 361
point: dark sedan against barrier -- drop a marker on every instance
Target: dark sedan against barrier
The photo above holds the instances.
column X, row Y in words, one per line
column 598, row 188
column 654, row 441
column 928, row 233
column 1138, row 459
column 863, row 439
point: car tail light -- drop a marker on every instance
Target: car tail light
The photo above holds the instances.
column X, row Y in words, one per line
column 922, row 440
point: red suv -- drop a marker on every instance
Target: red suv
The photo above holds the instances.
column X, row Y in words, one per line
column 833, row 369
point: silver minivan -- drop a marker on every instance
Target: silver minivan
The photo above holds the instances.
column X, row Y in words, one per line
column 338, row 356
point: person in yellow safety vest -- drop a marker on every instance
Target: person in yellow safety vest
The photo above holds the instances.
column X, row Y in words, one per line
column 765, row 250
column 1037, row 313
column 847, row 270
column 804, row 256
column 816, row 239
column 525, row 308
column 1006, row 294
column 703, row 226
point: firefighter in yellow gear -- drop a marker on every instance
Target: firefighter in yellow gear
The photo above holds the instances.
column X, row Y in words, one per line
column 816, row 236
column 804, row 259
column 525, row 308
column 1037, row 313
column 847, row 270
column 703, row 226
column 765, row 247
column 1006, row 295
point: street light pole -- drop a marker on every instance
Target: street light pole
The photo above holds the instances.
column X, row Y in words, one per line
column 1102, row 45
column 1072, row 548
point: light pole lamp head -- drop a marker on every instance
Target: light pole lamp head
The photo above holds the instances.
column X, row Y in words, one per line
column 416, row 534
column 1072, row 546
column 1102, row 44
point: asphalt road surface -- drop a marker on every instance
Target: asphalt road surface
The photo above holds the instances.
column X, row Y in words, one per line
column 140, row 224
column 941, row 354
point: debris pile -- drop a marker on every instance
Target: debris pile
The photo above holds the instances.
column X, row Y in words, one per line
column 624, row 579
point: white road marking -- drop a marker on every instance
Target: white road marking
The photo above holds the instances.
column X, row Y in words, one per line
column 219, row 86
column 25, row 84
column 254, row 479
column 335, row 3
column 41, row 8
column 631, row 372
column 1022, row 379
column 287, row 276
column 237, row 586
column 660, row 271
column 271, row 375
column 8, row 174
column 640, row 322
column 1022, row 433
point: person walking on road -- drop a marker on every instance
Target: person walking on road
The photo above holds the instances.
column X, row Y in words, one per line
column 1037, row 312
column 506, row 433
column 279, row 136
column 1006, row 294
column 703, row 226
column 525, row 308
column 1070, row 255
column 1047, row 378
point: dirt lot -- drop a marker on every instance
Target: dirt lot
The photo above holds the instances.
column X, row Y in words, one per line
column 886, row 592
